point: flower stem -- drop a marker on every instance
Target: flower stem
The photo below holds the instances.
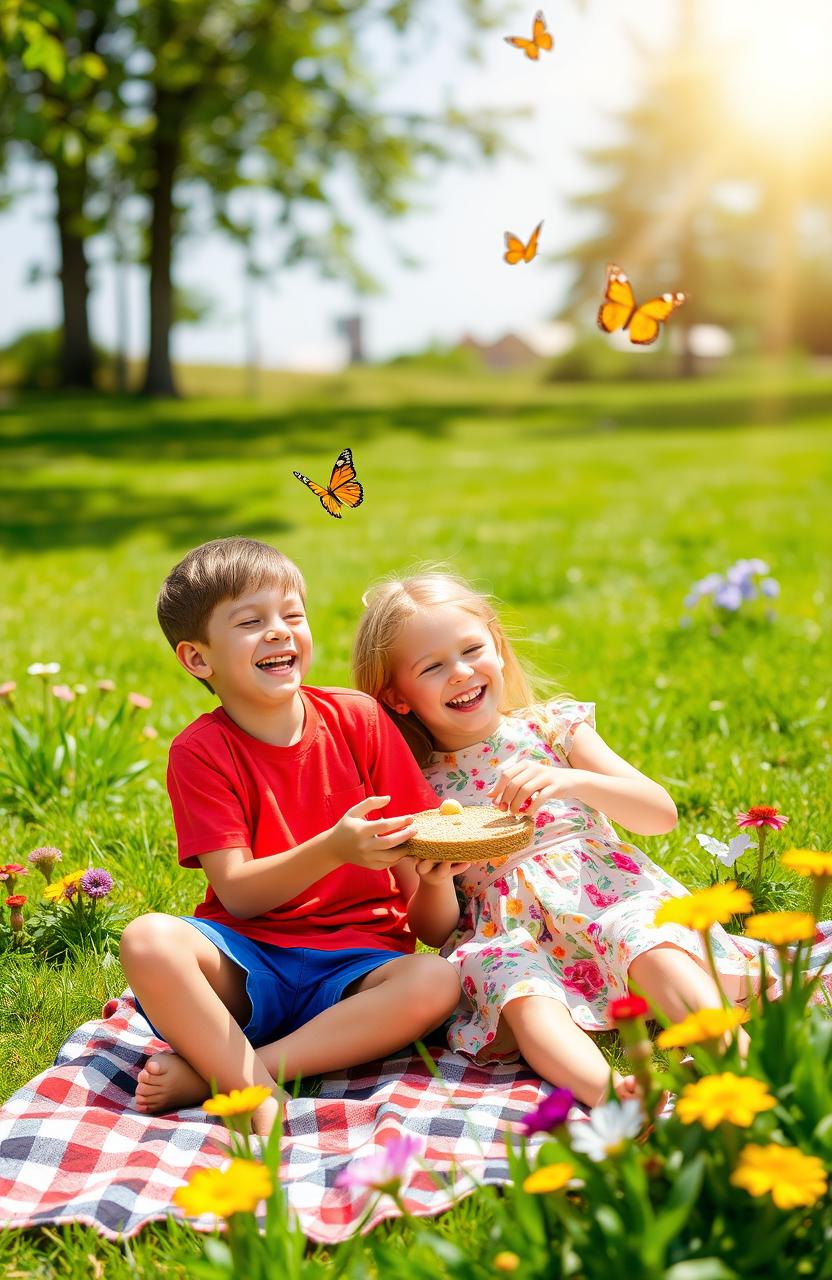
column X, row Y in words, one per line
column 761, row 853
column 709, row 952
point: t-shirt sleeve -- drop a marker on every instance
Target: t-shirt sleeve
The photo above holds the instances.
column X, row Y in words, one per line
column 563, row 715
column 207, row 812
column 394, row 771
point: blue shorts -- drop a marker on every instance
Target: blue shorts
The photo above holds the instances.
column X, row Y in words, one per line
column 286, row 986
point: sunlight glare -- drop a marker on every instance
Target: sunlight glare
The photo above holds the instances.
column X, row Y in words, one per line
column 781, row 81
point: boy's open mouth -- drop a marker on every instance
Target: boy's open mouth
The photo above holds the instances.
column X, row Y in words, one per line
column 468, row 700
column 278, row 664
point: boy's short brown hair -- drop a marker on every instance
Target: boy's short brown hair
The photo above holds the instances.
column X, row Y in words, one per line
column 224, row 569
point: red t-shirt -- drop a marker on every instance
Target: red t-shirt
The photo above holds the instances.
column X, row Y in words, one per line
column 230, row 790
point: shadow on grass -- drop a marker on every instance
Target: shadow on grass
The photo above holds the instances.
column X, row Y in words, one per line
column 50, row 516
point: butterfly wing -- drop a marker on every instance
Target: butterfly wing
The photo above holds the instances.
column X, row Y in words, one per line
column 619, row 301
column 540, row 35
column 531, row 247
column 515, row 249
column 646, row 321
column 329, row 502
column 342, row 483
column 528, row 46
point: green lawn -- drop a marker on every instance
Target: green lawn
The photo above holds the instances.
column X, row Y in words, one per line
column 588, row 510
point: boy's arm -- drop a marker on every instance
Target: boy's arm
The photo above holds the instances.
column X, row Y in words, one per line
column 248, row 886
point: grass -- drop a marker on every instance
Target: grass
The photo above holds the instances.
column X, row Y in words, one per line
column 587, row 510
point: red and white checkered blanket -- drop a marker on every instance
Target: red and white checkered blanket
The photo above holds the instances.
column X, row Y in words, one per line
column 73, row 1149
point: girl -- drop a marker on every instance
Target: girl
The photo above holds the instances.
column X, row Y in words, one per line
column 550, row 935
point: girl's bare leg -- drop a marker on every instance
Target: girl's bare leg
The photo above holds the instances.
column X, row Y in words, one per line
column 677, row 984
column 560, row 1052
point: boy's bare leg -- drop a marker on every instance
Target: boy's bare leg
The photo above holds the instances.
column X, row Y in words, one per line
column 560, row 1052
column 195, row 996
column 385, row 1010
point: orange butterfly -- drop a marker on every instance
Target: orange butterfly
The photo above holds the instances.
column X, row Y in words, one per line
column 540, row 39
column 619, row 310
column 516, row 251
column 343, row 489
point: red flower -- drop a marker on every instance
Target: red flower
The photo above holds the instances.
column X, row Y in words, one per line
column 626, row 1008
column 585, row 977
column 16, row 900
column 762, row 815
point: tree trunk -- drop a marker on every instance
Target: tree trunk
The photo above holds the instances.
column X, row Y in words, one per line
column 159, row 375
column 77, row 357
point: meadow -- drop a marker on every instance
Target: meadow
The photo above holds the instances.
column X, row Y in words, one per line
column 588, row 511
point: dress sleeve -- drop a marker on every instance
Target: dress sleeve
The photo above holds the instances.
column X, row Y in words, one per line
column 394, row 771
column 563, row 715
column 207, row 812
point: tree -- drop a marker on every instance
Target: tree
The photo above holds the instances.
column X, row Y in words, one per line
column 251, row 94
column 59, row 103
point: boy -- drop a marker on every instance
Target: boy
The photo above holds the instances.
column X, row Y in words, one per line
column 303, row 946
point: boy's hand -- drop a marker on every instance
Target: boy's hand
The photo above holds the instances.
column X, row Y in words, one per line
column 370, row 844
column 437, row 872
column 524, row 786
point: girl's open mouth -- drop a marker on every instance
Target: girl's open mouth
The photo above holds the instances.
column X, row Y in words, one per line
column 467, row 701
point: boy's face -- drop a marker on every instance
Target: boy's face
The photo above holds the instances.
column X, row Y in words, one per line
column 259, row 648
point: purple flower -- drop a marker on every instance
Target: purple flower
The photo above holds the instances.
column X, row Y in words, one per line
column 385, row 1170
column 728, row 597
column 96, row 883
column 551, row 1113
column 770, row 587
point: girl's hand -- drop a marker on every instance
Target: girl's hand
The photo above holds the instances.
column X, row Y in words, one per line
column 524, row 786
column 438, row 872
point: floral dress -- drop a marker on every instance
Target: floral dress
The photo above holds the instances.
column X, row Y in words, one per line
column 564, row 917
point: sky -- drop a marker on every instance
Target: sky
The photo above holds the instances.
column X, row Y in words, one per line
column 460, row 285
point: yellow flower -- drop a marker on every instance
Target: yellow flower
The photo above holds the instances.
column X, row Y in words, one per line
column 506, row 1261
column 239, row 1102
column 552, row 1177
column 715, row 1099
column 808, row 862
column 714, row 905
column 705, row 1024
column 514, row 906
column 55, row 890
column 790, row 1177
column 223, row 1192
column 781, row 927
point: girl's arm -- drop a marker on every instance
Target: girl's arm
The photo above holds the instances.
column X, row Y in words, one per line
column 432, row 908
column 597, row 777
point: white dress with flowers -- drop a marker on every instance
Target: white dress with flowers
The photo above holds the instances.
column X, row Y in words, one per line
column 565, row 917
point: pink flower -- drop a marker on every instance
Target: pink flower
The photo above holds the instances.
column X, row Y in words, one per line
column 585, row 977
column 139, row 700
column 543, row 818
column 150, row 733
column 479, row 784
column 501, row 886
column 599, row 899
column 7, row 689
column 762, row 815
column 63, row 693
column 624, row 863
column 385, row 1170
column 594, row 932
column 106, row 686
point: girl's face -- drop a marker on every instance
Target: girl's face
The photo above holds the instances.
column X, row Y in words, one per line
column 447, row 670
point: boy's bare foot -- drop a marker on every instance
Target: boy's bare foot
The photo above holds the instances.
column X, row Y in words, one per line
column 167, row 1082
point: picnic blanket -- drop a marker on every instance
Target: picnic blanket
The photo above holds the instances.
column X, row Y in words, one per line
column 73, row 1149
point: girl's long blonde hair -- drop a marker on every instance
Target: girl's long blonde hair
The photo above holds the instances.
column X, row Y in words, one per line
column 389, row 605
